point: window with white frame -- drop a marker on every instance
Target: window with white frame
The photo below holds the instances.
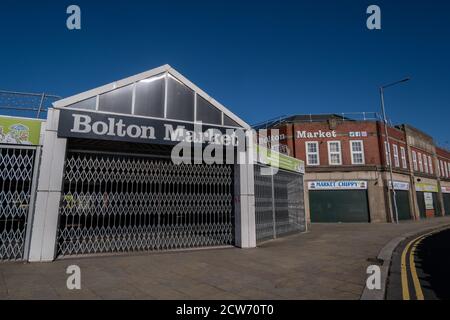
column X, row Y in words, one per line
column 430, row 164
column 334, row 153
column 438, row 169
column 403, row 154
column 357, row 151
column 396, row 159
column 414, row 158
column 312, row 153
column 388, row 153
column 442, row 167
column 447, row 169
column 419, row 155
column 425, row 163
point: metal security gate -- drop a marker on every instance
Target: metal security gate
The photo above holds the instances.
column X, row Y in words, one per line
column 279, row 204
column 339, row 206
column 17, row 170
column 403, row 207
column 446, row 197
column 123, row 203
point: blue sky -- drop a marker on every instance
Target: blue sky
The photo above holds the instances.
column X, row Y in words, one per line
column 262, row 59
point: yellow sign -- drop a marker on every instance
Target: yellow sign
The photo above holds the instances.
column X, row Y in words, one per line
column 426, row 187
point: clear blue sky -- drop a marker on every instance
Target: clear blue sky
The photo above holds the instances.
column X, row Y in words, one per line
column 261, row 59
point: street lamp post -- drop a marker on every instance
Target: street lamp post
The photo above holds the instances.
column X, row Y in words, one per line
column 388, row 147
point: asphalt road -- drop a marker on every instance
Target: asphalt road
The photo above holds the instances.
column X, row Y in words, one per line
column 420, row 268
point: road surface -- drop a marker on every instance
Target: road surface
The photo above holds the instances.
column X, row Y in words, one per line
column 420, row 268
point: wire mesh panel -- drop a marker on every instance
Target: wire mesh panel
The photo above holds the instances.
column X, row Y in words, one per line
column 131, row 203
column 263, row 206
column 279, row 204
column 16, row 175
column 289, row 203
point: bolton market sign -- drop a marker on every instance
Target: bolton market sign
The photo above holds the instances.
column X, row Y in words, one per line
column 90, row 125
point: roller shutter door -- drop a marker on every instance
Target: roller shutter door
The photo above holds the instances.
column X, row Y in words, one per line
column 339, row 206
column 446, row 197
column 403, row 207
column 421, row 204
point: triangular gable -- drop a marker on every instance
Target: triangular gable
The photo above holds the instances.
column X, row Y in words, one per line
column 66, row 102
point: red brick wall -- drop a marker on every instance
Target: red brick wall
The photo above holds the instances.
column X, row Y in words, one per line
column 342, row 130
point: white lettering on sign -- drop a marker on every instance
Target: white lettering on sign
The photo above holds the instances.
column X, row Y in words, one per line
column 265, row 140
column 83, row 124
column 337, row 185
column 113, row 127
column 315, row 134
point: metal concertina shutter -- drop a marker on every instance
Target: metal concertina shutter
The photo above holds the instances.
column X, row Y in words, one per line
column 118, row 203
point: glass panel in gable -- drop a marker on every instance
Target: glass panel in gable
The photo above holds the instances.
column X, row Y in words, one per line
column 118, row 101
column 227, row 121
column 88, row 104
column 180, row 101
column 208, row 113
column 149, row 99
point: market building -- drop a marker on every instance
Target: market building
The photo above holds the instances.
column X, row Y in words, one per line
column 147, row 163
column 348, row 167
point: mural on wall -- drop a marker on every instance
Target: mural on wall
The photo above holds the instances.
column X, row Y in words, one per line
column 19, row 131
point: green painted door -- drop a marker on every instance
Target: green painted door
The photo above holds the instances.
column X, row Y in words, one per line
column 339, row 206
column 404, row 210
column 437, row 205
column 421, row 204
column 447, row 203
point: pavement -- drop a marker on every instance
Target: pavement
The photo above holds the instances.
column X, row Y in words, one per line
column 328, row 262
column 428, row 278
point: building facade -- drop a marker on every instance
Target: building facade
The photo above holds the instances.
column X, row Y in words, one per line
column 147, row 163
column 348, row 168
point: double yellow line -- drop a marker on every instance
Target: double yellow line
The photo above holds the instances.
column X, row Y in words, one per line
column 404, row 272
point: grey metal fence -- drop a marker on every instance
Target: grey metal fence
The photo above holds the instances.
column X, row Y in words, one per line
column 26, row 104
column 18, row 172
column 279, row 204
column 122, row 203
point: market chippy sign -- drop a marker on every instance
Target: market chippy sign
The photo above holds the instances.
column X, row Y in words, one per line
column 90, row 125
column 337, row 185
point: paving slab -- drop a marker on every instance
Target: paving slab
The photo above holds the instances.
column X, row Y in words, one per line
column 328, row 262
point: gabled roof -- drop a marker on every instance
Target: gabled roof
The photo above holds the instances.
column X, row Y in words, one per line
column 144, row 75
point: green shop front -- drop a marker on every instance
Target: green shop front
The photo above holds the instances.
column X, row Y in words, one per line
column 338, row 201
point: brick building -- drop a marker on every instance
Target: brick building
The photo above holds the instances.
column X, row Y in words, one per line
column 347, row 168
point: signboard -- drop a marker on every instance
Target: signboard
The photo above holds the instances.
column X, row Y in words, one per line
column 399, row 185
column 315, row 134
column 91, row 125
column 428, row 197
column 445, row 189
column 282, row 161
column 337, row 185
column 20, row 130
column 425, row 187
